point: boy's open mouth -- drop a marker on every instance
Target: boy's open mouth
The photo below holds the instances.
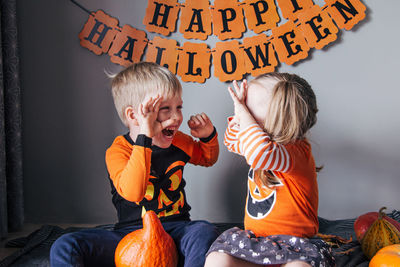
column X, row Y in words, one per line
column 168, row 131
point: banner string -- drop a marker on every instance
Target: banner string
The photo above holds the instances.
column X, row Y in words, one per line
column 81, row 7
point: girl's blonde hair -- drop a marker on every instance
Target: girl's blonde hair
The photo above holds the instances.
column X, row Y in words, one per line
column 131, row 86
column 292, row 112
column 293, row 107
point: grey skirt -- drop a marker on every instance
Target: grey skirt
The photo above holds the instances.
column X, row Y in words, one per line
column 274, row 249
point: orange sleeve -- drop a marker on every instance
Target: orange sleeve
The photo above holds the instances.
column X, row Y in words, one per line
column 129, row 167
column 204, row 152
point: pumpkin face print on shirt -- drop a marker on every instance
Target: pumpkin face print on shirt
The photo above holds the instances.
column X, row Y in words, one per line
column 260, row 198
column 164, row 193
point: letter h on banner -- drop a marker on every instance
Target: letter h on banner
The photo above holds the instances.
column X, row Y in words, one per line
column 98, row 32
column 161, row 16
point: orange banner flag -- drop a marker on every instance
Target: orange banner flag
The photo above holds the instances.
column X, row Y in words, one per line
column 289, row 43
column 164, row 52
column 317, row 27
column 161, row 16
column 98, row 32
column 291, row 8
column 259, row 55
column 196, row 19
column 194, row 62
column 128, row 46
column 346, row 13
column 229, row 61
column 228, row 20
column 261, row 15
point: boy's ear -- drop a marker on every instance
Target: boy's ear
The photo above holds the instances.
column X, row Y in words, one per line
column 130, row 116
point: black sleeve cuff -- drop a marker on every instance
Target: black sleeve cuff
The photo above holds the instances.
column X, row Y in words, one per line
column 143, row 140
column 208, row 139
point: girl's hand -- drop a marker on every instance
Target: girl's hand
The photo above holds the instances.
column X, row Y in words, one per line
column 147, row 116
column 238, row 95
column 242, row 117
column 200, row 126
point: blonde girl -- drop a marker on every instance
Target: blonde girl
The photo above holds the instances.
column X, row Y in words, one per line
column 273, row 114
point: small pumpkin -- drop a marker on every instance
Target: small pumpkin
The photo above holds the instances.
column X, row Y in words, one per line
column 382, row 233
column 387, row 257
column 364, row 222
column 147, row 247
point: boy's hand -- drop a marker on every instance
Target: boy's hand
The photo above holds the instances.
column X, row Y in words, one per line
column 147, row 116
column 200, row 126
column 242, row 115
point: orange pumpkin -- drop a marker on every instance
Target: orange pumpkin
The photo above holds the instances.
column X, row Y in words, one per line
column 387, row 257
column 147, row 247
column 382, row 233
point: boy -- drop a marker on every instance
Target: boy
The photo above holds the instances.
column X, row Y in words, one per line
column 145, row 168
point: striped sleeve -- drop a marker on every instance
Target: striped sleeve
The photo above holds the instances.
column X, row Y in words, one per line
column 230, row 138
column 262, row 153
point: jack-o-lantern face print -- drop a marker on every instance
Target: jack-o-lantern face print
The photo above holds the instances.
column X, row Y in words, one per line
column 260, row 199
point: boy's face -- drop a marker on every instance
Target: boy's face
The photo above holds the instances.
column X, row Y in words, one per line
column 170, row 117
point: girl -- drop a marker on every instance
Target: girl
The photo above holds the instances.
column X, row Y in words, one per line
column 272, row 116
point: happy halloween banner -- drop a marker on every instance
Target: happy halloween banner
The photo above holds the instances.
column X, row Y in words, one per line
column 307, row 26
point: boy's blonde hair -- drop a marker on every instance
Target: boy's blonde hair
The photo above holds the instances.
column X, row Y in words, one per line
column 292, row 112
column 293, row 107
column 131, row 86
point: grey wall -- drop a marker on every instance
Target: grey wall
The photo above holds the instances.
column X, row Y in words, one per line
column 69, row 119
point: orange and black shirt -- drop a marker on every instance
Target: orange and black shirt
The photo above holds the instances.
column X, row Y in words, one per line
column 290, row 206
column 145, row 177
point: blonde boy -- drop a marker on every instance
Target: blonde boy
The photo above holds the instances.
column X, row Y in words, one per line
column 146, row 170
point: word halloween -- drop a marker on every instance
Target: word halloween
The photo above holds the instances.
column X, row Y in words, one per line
column 307, row 26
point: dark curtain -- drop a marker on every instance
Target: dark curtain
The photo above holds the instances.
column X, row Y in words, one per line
column 11, row 187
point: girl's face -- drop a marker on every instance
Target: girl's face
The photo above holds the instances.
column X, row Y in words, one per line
column 258, row 99
column 170, row 117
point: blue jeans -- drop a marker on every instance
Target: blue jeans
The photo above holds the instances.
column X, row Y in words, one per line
column 96, row 247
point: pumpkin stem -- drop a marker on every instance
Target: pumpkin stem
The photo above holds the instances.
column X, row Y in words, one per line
column 381, row 213
column 151, row 224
